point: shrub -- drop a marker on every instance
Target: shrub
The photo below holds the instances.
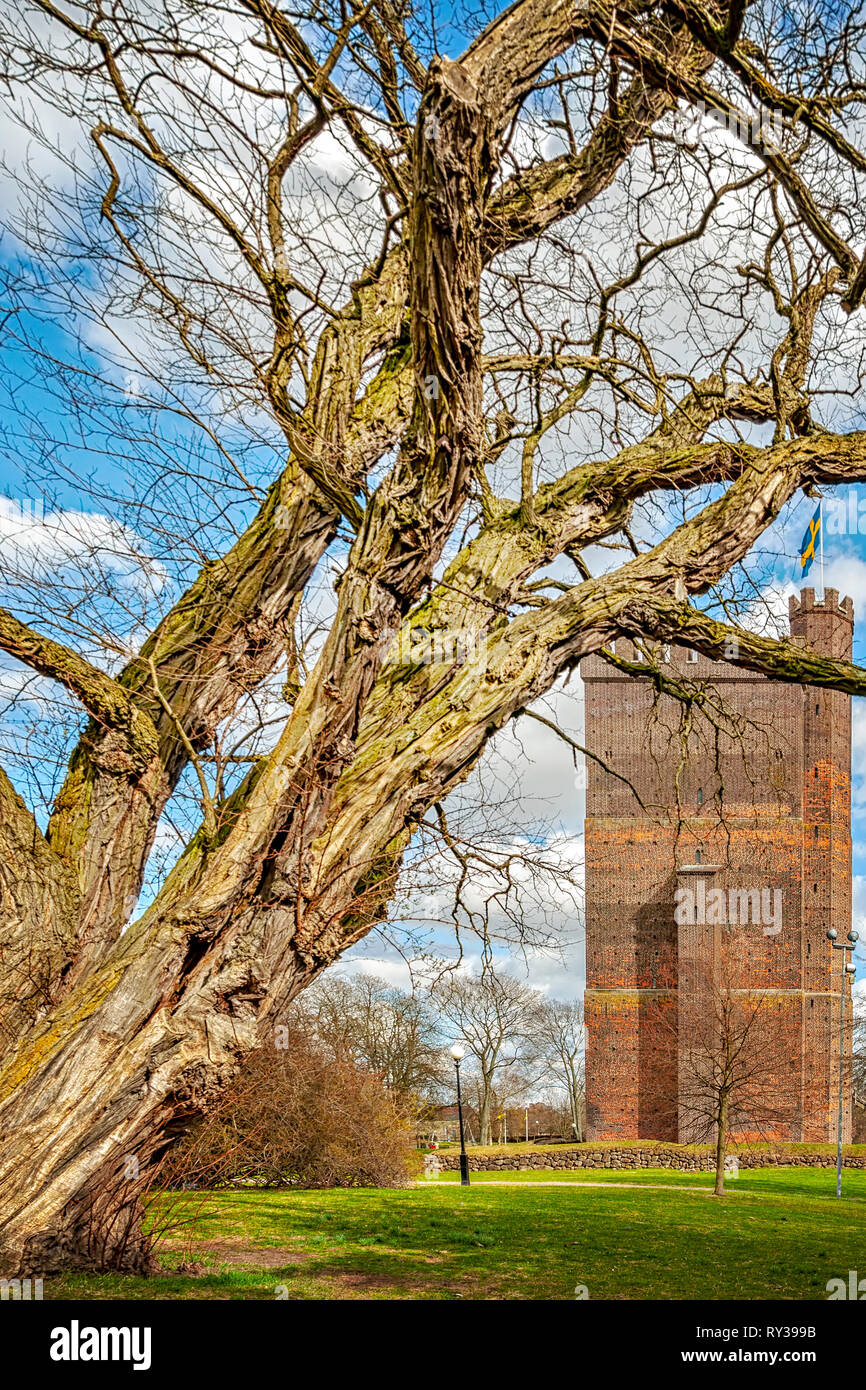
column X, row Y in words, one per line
column 300, row 1117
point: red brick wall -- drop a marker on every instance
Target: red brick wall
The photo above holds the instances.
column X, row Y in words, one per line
column 767, row 799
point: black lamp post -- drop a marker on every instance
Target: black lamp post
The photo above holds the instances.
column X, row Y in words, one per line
column 848, row 968
column 458, row 1053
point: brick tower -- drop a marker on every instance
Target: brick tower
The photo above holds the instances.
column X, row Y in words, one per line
column 753, row 797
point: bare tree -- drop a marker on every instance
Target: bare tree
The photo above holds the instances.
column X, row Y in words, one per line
column 494, row 1015
column 560, row 1048
column 529, row 371
column 394, row 1033
column 732, row 1058
column 859, row 1050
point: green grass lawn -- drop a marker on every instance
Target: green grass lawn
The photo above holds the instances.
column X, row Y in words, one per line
column 780, row 1234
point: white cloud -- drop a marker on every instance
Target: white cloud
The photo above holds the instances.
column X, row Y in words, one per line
column 34, row 544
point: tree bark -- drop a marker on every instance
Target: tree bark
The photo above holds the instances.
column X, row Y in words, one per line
column 484, row 1112
column 721, row 1146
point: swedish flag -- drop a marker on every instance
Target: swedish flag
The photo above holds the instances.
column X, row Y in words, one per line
column 807, row 545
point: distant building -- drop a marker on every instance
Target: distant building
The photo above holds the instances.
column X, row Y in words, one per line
column 442, row 1124
column 766, row 817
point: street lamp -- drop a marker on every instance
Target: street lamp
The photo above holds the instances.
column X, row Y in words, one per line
column 848, row 968
column 458, row 1052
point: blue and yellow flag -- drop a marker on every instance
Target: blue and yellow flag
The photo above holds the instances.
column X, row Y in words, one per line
column 807, row 545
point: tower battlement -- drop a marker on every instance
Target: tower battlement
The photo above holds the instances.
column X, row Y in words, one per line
column 807, row 601
column 827, row 626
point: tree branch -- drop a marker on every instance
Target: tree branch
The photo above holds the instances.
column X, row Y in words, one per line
column 780, row 659
column 104, row 698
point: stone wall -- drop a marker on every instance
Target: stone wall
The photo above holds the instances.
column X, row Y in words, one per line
column 662, row 1157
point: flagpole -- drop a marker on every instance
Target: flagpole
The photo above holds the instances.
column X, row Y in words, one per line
column 821, row 539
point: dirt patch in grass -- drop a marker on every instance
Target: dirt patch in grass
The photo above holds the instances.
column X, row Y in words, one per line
column 269, row 1258
column 230, row 1253
column 358, row 1281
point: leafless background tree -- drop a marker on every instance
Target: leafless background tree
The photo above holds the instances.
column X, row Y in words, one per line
column 494, row 1016
column 859, row 1050
column 394, row 1033
column 732, row 1057
column 559, row 1041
